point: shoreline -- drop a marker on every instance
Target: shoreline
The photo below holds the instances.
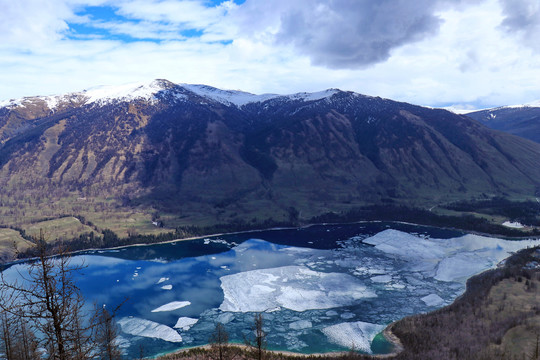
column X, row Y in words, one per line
column 191, row 238
column 199, row 237
column 389, row 336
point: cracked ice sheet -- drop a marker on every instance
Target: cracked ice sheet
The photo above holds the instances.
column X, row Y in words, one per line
column 447, row 260
column 353, row 335
column 146, row 328
column 292, row 287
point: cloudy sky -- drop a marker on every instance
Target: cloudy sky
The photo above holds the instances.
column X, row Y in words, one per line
column 468, row 53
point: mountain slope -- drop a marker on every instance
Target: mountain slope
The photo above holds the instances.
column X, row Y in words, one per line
column 201, row 155
column 523, row 120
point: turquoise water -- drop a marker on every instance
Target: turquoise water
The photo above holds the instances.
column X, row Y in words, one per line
column 313, row 285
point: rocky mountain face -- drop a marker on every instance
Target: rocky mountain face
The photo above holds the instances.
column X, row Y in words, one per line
column 193, row 149
column 520, row 120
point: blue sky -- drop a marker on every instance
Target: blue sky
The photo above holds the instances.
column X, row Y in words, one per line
column 467, row 53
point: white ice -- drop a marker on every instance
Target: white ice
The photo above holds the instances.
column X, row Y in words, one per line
column 513, row 224
column 225, row 318
column 172, row 306
column 353, row 335
column 300, row 325
column 167, row 287
column 292, row 287
column 185, row 323
column 455, row 259
column 163, row 279
column 146, row 328
column 433, row 300
column 381, row 278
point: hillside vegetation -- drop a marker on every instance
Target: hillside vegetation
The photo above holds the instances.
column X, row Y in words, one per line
column 185, row 156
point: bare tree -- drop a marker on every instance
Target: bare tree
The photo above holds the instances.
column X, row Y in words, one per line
column 48, row 298
column 17, row 339
column 219, row 344
column 106, row 334
column 258, row 343
column 5, row 338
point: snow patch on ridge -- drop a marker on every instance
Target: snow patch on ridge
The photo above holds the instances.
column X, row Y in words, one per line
column 530, row 104
column 147, row 91
column 241, row 98
column 227, row 97
column 127, row 92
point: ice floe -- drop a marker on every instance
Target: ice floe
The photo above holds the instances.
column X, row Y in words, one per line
column 292, row 287
column 163, row 279
column 167, row 287
column 347, row 315
column 447, row 260
column 353, row 335
column 185, row 323
column 146, row 328
column 225, row 318
column 381, row 278
column 433, row 300
column 300, row 325
column 172, row 306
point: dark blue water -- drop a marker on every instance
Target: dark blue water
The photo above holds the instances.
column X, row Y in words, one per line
column 272, row 269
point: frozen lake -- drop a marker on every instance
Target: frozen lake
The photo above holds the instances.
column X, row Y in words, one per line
column 321, row 288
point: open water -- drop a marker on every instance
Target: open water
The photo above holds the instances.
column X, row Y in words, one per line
column 320, row 288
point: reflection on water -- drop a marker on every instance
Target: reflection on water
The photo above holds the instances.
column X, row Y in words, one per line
column 346, row 284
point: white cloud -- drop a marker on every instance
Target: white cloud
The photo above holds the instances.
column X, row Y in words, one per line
column 522, row 18
column 466, row 56
column 28, row 23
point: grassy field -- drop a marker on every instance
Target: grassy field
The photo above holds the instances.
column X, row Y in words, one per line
column 65, row 228
column 11, row 241
column 125, row 222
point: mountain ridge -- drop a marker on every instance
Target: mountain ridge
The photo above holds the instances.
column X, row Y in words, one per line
column 205, row 155
column 147, row 91
column 521, row 120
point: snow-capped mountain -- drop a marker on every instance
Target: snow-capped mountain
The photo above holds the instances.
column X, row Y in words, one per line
column 522, row 120
column 155, row 90
column 219, row 154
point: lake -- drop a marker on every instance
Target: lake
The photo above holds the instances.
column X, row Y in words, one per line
column 320, row 288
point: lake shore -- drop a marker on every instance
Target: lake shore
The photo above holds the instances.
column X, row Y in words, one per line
column 440, row 333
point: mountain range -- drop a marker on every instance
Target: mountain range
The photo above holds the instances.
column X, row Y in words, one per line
column 194, row 154
column 521, row 120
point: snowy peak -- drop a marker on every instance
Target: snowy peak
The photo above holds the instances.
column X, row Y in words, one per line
column 128, row 92
column 99, row 95
column 534, row 104
column 241, row 98
column 227, row 97
column 102, row 95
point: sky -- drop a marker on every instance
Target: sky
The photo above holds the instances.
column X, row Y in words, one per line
column 469, row 54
